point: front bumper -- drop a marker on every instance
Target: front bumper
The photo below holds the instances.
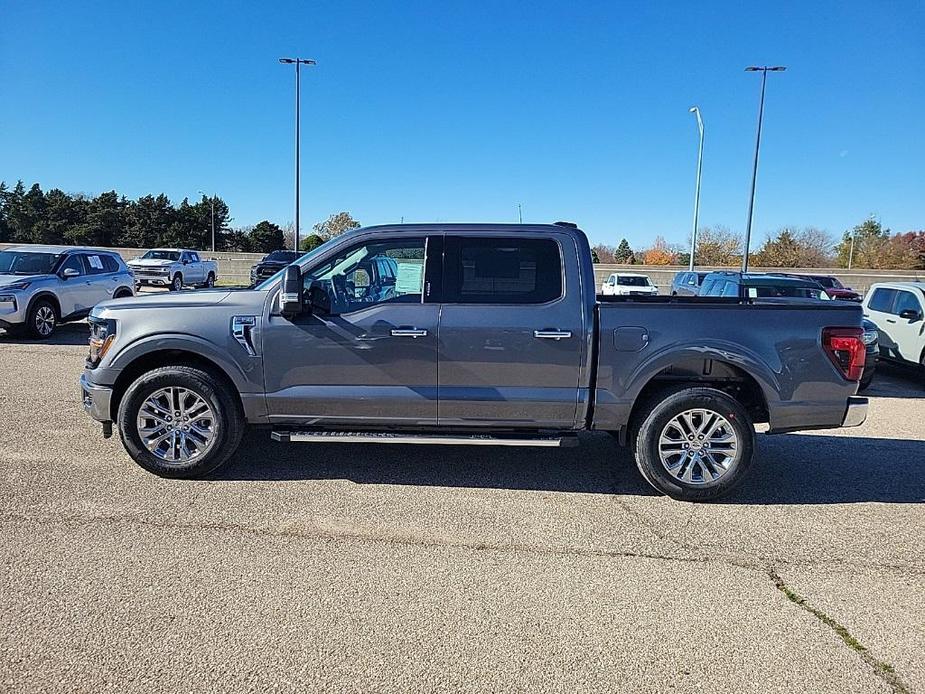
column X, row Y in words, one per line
column 13, row 313
column 856, row 413
column 96, row 399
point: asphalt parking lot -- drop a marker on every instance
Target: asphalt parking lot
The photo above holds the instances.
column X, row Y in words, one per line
column 351, row 568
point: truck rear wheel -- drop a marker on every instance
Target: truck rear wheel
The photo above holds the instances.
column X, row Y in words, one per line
column 180, row 421
column 694, row 443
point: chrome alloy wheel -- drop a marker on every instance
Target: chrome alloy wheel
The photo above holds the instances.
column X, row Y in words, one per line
column 698, row 447
column 45, row 320
column 177, row 425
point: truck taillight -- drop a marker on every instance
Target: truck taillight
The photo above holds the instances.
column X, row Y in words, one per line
column 846, row 349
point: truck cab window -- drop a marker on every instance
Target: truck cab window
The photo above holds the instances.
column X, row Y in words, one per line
column 368, row 274
column 496, row 270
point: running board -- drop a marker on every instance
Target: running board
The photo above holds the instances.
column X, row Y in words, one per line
column 567, row 441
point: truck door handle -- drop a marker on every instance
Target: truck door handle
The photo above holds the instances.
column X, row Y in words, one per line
column 890, row 320
column 552, row 334
column 408, row 332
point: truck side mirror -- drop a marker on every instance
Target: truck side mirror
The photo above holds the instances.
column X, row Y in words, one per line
column 910, row 314
column 290, row 298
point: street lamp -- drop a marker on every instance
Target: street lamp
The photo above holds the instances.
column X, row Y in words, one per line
column 298, row 62
column 212, row 204
column 764, row 70
column 696, row 111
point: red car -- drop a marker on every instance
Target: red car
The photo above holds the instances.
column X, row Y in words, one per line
column 834, row 288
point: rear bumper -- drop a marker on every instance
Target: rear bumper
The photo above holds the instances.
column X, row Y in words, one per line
column 856, row 414
column 95, row 399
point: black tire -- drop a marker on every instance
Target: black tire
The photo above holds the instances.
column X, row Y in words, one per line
column 122, row 294
column 210, row 281
column 228, row 423
column 653, row 420
column 865, row 382
column 42, row 319
column 176, row 284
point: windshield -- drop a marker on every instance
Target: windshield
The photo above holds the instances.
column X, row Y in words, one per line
column 161, row 255
column 25, row 263
column 625, row 281
column 303, row 261
column 282, row 256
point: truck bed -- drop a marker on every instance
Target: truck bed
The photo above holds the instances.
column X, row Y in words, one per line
column 771, row 348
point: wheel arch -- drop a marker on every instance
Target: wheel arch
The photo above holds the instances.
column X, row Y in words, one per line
column 141, row 363
column 50, row 296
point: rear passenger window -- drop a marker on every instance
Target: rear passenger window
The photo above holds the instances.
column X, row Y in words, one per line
column 109, row 263
column 882, row 300
column 94, row 264
column 502, row 271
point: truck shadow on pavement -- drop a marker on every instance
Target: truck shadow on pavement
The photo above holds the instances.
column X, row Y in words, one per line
column 67, row 334
column 789, row 469
column 896, row 381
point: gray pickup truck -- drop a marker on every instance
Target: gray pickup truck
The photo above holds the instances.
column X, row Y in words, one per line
column 469, row 335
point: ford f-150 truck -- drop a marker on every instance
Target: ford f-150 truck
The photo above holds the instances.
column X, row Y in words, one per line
column 173, row 268
column 474, row 335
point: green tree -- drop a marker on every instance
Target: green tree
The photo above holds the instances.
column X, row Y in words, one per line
column 310, row 242
column 809, row 247
column 624, row 254
column 869, row 241
column 335, row 225
column 266, row 237
column 148, row 222
column 718, row 246
column 104, row 222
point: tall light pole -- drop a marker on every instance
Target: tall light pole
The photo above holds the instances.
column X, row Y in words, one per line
column 520, row 213
column 696, row 112
column 298, row 62
column 764, row 70
column 212, row 204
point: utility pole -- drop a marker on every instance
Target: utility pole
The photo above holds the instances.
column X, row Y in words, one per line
column 298, row 62
column 764, row 70
column 212, row 204
column 520, row 213
column 696, row 111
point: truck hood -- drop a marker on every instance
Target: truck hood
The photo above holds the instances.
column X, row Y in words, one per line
column 6, row 280
column 151, row 262
column 195, row 299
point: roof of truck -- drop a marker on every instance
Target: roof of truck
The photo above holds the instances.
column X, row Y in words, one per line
column 436, row 226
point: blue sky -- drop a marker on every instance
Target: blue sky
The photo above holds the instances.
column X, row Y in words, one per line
column 452, row 111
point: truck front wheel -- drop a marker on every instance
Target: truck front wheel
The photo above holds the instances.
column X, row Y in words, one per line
column 180, row 421
column 176, row 284
column 694, row 443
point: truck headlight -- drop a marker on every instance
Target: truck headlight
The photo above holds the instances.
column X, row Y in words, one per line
column 102, row 334
column 870, row 337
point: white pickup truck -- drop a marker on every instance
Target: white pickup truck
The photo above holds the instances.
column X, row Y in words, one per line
column 173, row 268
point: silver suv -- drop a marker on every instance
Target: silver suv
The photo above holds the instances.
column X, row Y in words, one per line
column 42, row 286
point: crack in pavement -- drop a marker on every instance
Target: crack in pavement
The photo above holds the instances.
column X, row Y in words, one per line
column 880, row 668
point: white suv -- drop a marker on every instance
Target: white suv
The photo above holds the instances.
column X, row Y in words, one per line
column 896, row 308
column 628, row 284
column 43, row 286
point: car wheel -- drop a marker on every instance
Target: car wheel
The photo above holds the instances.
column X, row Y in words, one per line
column 42, row 319
column 180, row 422
column 177, row 283
column 694, row 443
column 122, row 294
column 210, row 281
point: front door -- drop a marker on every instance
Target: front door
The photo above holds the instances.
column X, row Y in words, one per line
column 367, row 351
column 908, row 334
column 511, row 332
column 76, row 293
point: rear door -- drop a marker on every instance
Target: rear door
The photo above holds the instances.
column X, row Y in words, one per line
column 511, row 332
column 103, row 277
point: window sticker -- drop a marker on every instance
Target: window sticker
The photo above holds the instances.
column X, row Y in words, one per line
column 95, row 262
column 752, row 292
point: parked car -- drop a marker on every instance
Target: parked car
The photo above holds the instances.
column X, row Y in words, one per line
column 174, row 268
column 871, row 340
column 833, row 287
column 760, row 286
column 44, row 286
column 896, row 309
column 628, row 284
column 271, row 264
column 687, row 283
column 482, row 335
